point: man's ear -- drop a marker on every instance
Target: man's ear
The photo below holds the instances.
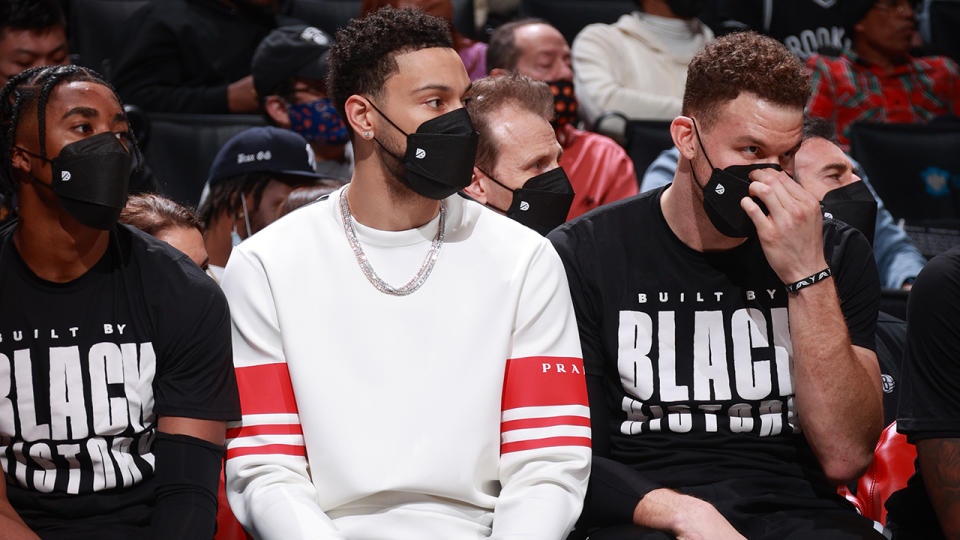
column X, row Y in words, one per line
column 276, row 109
column 21, row 161
column 498, row 72
column 684, row 137
column 476, row 189
column 359, row 116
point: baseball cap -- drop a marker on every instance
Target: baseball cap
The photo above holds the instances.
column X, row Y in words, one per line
column 262, row 149
column 288, row 52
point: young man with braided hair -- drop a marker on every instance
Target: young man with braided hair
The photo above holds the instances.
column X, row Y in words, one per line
column 115, row 376
column 449, row 405
column 728, row 329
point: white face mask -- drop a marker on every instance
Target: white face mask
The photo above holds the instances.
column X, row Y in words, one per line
column 234, row 236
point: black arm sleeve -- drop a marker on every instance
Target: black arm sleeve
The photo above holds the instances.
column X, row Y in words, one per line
column 187, row 479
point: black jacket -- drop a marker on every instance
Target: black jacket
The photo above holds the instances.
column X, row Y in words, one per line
column 186, row 52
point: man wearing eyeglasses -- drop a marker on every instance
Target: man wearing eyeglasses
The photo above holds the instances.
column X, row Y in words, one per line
column 878, row 80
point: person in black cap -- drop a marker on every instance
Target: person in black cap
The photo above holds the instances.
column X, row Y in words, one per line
column 250, row 178
column 289, row 71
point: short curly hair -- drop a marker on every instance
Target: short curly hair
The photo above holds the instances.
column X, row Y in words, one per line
column 364, row 54
column 743, row 62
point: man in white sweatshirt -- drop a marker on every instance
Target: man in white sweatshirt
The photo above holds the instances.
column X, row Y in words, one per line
column 638, row 65
column 408, row 360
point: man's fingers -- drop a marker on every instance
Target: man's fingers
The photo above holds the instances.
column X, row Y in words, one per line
column 756, row 215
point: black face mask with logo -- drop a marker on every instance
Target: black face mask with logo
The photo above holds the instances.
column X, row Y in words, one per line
column 542, row 203
column 854, row 205
column 91, row 178
column 440, row 155
column 724, row 191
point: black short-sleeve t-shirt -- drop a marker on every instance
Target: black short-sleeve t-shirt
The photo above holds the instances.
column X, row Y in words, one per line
column 929, row 383
column 87, row 367
column 694, row 350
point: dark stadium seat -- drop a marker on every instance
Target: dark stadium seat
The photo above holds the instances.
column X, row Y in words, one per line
column 97, row 29
column 915, row 168
column 570, row 16
column 182, row 147
column 645, row 139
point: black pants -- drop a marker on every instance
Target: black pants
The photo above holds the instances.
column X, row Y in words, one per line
column 776, row 526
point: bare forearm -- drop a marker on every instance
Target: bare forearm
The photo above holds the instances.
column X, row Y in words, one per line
column 12, row 526
column 837, row 385
column 682, row 516
column 940, row 469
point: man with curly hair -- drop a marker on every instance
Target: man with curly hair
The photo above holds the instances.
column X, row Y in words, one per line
column 728, row 329
column 407, row 359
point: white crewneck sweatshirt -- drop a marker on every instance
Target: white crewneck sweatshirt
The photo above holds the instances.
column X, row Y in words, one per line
column 456, row 412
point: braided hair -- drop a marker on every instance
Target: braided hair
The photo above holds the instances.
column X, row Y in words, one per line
column 29, row 88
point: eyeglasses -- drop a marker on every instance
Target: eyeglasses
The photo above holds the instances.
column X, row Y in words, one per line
column 901, row 6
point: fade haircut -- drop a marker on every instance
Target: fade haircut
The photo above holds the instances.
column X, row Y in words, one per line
column 364, row 54
column 35, row 15
column 502, row 52
column 743, row 62
column 30, row 91
column 152, row 213
column 490, row 94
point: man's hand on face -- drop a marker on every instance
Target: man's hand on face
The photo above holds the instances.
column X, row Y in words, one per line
column 792, row 233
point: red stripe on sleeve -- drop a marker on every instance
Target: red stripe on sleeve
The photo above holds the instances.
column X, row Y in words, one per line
column 538, row 381
column 285, row 449
column 265, row 429
column 548, row 421
column 533, row 444
column 266, row 389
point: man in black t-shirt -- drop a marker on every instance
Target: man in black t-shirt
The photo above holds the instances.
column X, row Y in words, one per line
column 115, row 362
column 727, row 328
column 930, row 405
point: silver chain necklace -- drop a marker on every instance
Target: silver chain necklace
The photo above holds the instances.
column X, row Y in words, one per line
column 421, row 276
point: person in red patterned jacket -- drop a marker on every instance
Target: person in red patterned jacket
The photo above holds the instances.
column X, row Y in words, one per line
column 878, row 80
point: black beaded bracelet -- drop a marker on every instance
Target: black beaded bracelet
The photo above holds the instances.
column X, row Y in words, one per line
column 794, row 288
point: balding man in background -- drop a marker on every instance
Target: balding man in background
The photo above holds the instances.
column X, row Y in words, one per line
column 599, row 169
